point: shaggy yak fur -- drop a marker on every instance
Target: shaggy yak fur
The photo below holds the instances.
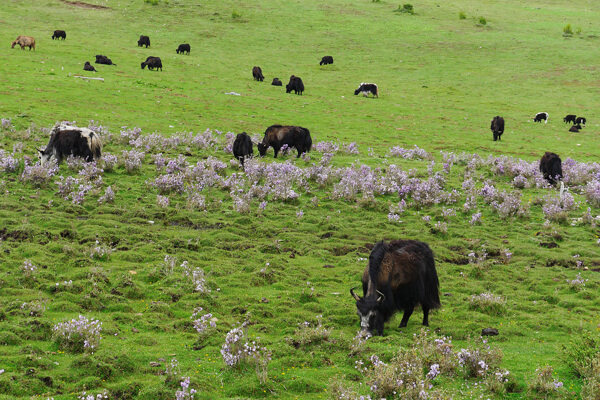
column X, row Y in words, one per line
column 551, row 167
column 144, row 41
column 183, row 48
column 257, row 74
column 242, row 147
column 152, row 63
column 89, row 67
column 68, row 140
column 326, row 60
column 400, row 275
column 58, row 34
column 24, row 41
column 295, row 84
column 100, row 59
column 497, row 127
column 292, row 136
column 570, row 118
column 276, row 82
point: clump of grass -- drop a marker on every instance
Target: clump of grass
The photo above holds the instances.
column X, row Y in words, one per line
column 488, row 303
column 153, row 2
column 311, row 333
column 591, row 385
column 543, row 383
column 482, row 21
column 567, row 30
column 406, row 9
column 235, row 14
column 580, row 354
column 462, row 15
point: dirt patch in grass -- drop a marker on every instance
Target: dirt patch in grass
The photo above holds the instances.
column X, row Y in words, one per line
column 84, row 5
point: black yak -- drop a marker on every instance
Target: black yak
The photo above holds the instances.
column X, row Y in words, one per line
column 551, row 167
column 58, row 34
column 400, row 275
column 68, row 140
column 292, row 136
column 276, row 82
column 575, row 128
column 542, row 116
column 152, row 63
column 100, row 59
column 24, row 41
column 569, row 118
column 183, row 48
column 580, row 120
column 144, row 41
column 88, row 67
column 242, row 147
column 497, row 127
column 366, row 88
column 326, row 60
column 295, row 84
column 257, row 74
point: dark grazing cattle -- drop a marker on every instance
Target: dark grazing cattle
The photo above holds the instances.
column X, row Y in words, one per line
column 539, row 117
column 242, row 147
column 569, row 118
column 144, row 41
column 295, row 84
column 24, row 41
column 575, row 128
column 276, row 82
column 88, row 67
column 367, row 88
column 152, row 63
column 497, row 127
column 292, row 136
column 400, row 275
column 58, row 34
column 551, row 167
column 100, row 59
column 68, row 140
column 257, row 74
column 326, row 60
column 183, row 48
column 580, row 120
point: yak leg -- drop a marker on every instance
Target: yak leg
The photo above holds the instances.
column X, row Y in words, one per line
column 495, row 136
column 425, row 316
column 276, row 150
column 407, row 313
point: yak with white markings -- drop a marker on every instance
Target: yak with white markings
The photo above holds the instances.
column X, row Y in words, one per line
column 66, row 140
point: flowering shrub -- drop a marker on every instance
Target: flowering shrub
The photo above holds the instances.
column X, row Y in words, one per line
column 359, row 341
column 488, row 303
column 416, row 153
column 28, row 269
column 197, row 278
column 162, row 201
column 108, row 196
column 578, row 283
column 186, row 392
column 34, row 308
column 592, row 192
column 6, row 124
column 237, row 350
column 556, row 208
column 132, row 160
column 202, row 322
column 88, row 396
column 100, row 251
column 8, row 163
column 479, row 359
column 37, row 174
column 543, row 383
column 311, row 333
column 78, row 334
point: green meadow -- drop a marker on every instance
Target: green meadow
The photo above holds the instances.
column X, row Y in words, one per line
column 283, row 264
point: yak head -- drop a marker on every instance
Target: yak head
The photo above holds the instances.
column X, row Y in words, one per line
column 262, row 149
column 143, row 65
column 357, row 91
column 367, row 309
column 12, row 46
column 44, row 156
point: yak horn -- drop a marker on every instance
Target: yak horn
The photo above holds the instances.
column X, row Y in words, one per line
column 354, row 294
column 381, row 297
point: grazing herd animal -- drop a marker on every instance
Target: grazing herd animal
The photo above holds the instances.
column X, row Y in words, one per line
column 570, row 118
column 551, row 167
column 68, row 140
column 183, row 48
column 100, row 59
column 400, row 275
column 24, row 41
column 242, row 147
column 575, row 128
column 542, row 116
column 326, row 60
column 257, row 74
column 497, row 127
column 144, row 41
column 367, row 88
column 580, row 120
column 58, row 34
column 89, row 67
column 276, row 82
column 295, row 84
column 277, row 136
column 153, row 63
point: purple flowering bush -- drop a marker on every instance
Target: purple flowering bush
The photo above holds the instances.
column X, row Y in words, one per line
column 544, row 383
column 37, row 174
column 78, row 334
column 8, row 162
column 237, row 350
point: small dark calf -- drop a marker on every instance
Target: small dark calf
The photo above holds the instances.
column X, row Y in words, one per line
column 183, row 48
column 292, row 136
column 497, row 127
column 144, row 41
column 152, row 63
column 257, row 74
column 89, row 67
column 539, row 117
column 59, row 35
column 242, row 147
column 100, row 59
column 295, row 84
column 276, row 82
column 570, row 118
column 326, row 60
column 580, row 120
column 575, row 128
column 551, row 167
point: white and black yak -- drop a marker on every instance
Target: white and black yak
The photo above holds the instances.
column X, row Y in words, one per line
column 257, row 74
column 569, row 118
column 497, row 127
column 242, row 147
column 100, row 59
column 58, row 34
column 326, row 60
column 152, row 63
column 88, row 67
column 580, row 120
column 542, row 116
column 144, row 41
column 292, row 136
column 183, row 48
column 295, row 84
column 367, row 88
column 276, row 82
column 551, row 167
column 400, row 275
column 66, row 140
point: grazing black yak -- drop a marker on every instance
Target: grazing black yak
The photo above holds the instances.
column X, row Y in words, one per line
column 292, row 136
column 497, row 127
column 542, row 116
column 144, row 41
column 58, row 34
column 366, row 88
column 257, row 74
column 68, row 140
column 551, row 167
column 575, row 128
column 569, row 118
column 580, row 120
column 24, row 41
column 152, row 63
column 276, row 82
column 100, row 59
column 183, row 48
column 326, row 60
column 88, row 67
column 242, row 147
column 400, row 275
column 295, row 84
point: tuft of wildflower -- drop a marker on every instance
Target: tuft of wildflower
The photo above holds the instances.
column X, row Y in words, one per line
column 488, row 303
column 202, row 322
column 132, row 160
column 578, row 283
column 186, row 392
column 162, row 201
column 108, row 196
column 28, row 269
column 78, row 334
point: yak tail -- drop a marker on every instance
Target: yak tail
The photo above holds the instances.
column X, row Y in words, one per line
column 375, row 260
column 95, row 145
column 307, row 141
column 431, row 296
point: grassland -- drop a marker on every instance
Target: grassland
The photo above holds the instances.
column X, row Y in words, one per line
column 441, row 80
